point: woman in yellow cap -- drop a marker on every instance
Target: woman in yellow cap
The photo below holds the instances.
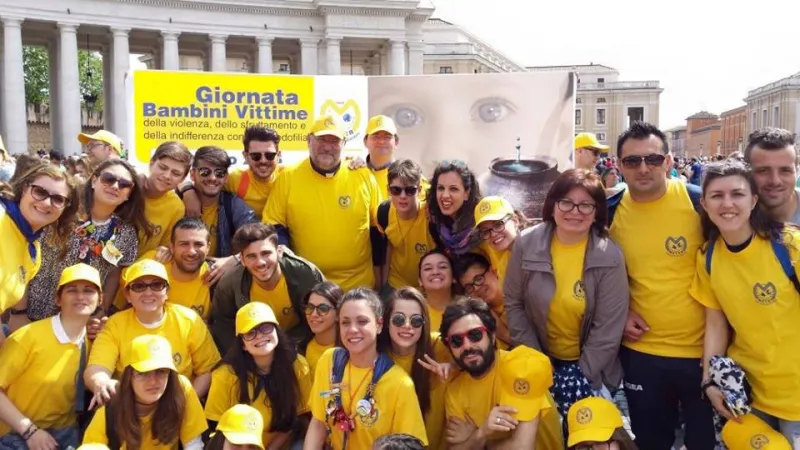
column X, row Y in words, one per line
column 40, row 363
column 320, row 308
column 499, row 226
column 596, row 424
column 239, row 428
column 155, row 407
column 263, row 371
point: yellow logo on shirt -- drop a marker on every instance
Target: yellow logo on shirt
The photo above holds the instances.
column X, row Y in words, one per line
column 584, row 416
column 421, row 248
column 521, row 386
column 344, row 201
column 22, row 275
column 369, row 420
column 579, row 290
column 176, row 358
column 157, row 230
column 198, row 309
column 676, row 246
column 765, row 294
column 758, row 441
column 287, row 311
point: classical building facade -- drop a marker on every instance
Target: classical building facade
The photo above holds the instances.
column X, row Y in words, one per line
column 733, row 130
column 605, row 105
column 452, row 49
column 676, row 139
column 776, row 104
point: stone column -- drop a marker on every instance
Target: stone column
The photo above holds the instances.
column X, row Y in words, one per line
column 308, row 56
column 265, row 54
column 55, row 122
column 108, row 111
column 15, row 121
column 218, row 58
column 416, row 61
column 334, row 56
column 322, row 58
column 171, row 55
column 120, row 63
column 397, row 58
column 69, row 93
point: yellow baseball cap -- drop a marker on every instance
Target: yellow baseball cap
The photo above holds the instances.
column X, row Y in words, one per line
column 329, row 125
column 151, row 352
column 525, row 376
column 80, row 272
column 103, row 136
column 753, row 433
column 93, row 447
column 492, row 208
column 143, row 268
column 253, row 314
column 589, row 140
column 381, row 123
column 593, row 419
column 242, row 425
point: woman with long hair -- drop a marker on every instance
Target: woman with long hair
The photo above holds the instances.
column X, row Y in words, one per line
column 451, row 201
column 499, row 226
column 596, row 424
column 239, row 428
column 42, row 196
column 358, row 393
column 38, row 392
column 155, row 407
column 320, row 307
column 753, row 290
column 437, row 283
column 566, row 289
column 111, row 212
column 265, row 372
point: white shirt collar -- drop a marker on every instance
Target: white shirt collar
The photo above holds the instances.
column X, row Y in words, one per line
column 61, row 333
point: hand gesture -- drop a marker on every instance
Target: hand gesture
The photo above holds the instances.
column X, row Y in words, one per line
column 443, row 370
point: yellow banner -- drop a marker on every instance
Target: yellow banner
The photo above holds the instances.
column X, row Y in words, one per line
column 205, row 108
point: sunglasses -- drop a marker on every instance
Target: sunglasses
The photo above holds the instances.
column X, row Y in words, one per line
column 41, row 194
column 400, row 320
column 152, row 374
column 219, row 173
column 410, row 191
column 478, row 281
column 497, row 226
column 109, row 179
column 565, row 205
column 155, row 286
column 269, row 156
column 454, row 162
column 264, row 328
column 457, row 340
column 633, row 162
column 322, row 309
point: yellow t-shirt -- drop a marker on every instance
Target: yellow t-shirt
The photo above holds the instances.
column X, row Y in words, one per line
column 209, row 217
column 257, row 191
column 569, row 301
column 38, row 374
column 499, row 261
column 396, row 404
column 660, row 240
column 328, row 220
column 436, row 318
column 410, row 240
column 17, row 268
column 224, row 394
column 476, row 397
column 313, row 352
column 382, row 178
column 193, row 425
column 163, row 212
column 763, row 307
column 194, row 352
column 278, row 299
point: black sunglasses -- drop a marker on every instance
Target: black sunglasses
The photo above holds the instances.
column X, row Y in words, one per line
column 155, row 286
column 409, row 190
column 270, row 156
column 109, row 179
column 654, row 159
column 400, row 320
column 219, row 173
column 321, row 309
column 264, row 328
column 41, row 194
column 457, row 340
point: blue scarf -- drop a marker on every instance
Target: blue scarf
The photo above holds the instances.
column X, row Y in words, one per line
column 12, row 209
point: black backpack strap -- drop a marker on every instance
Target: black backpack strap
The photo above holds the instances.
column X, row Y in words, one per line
column 695, row 194
column 383, row 215
column 709, row 252
column 227, row 204
column 111, row 432
column 782, row 253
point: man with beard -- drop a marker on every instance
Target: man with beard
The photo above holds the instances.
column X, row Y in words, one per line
column 267, row 274
column 503, row 395
column 325, row 213
column 772, row 154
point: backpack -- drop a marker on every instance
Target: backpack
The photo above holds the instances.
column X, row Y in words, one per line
column 695, row 194
column 781, row 253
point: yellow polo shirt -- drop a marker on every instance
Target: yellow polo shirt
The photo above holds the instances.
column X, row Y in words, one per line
column 278, row 299
column 163, row 212
column 410, row 240
column 256, row 192
column 313, row 352
column 17, row 268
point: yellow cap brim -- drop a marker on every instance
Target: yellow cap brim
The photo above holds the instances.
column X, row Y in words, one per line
column 492, row 217
column 153, row 364
column 386, row 129
column 241, row 438
column 94, row 282
column 84, row 138
column 590, row 435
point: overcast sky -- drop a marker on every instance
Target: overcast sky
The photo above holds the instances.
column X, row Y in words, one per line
column 706, row 53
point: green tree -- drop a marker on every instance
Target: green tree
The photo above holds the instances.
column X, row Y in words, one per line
column 37, row 78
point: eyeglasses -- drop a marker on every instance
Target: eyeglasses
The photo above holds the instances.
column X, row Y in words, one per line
column 497, row 226
column 408, row 190
column 400, row 320
column 565, row 205
column 270, row 156
column 264, row 328
column 153, row 374
column 322, row 309
column 633, row 162
column 457, row 340
column 109, row 179
column 155, row 286
column 41, row 194
column 478, row 281
column 219, row 173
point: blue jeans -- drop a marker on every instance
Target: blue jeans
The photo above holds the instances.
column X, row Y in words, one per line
column 67, row 438
column 789, row 428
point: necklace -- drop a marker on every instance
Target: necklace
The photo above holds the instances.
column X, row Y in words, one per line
column 354, row 392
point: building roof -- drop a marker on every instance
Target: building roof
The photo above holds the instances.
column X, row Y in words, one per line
column 481, row 47
column 737, row 110
column 571, row 66
column 703, row 115
column 676, row 129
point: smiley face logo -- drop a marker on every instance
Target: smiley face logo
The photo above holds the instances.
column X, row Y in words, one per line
column 253, row 312
column 158, row 230
column 154, row 348
column 251, row 423
column 344, row 201
column 485, row 207
column 579, row 290
column 584, row 416
column 176, row 358
column 521, row 386
column 758, row 441
column 286, row 311
column 765, row 294
column 421, row 249
column 676, row 246
column 199, row 309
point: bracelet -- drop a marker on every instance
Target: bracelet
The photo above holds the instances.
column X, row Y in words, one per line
column 30, row 431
